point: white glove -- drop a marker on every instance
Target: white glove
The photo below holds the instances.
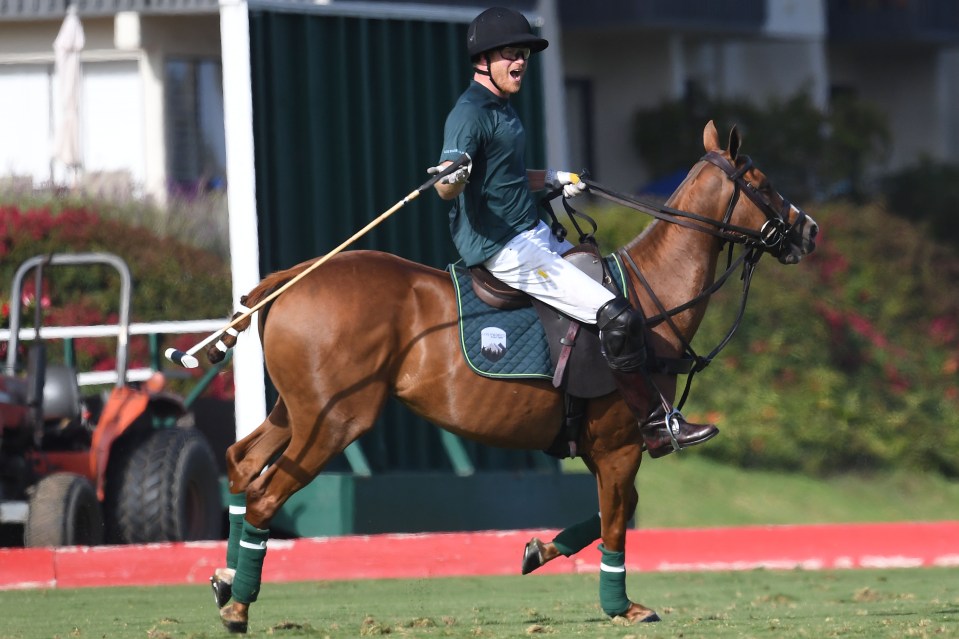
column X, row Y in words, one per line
column 459, row 176
column 570, row 182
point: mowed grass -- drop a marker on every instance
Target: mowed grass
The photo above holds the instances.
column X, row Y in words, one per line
column 691, row 491
column 892, row 603
column 676, row 491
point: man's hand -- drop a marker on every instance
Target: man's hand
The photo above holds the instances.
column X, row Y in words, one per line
column 570, row 182
column 459, row 176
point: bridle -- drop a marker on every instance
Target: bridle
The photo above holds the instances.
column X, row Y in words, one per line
column 770, row 238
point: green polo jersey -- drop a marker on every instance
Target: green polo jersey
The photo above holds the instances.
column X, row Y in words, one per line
column 496, row 204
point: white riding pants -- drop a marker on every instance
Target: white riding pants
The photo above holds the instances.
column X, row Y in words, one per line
column 532, row 262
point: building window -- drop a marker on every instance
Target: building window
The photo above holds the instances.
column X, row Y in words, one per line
column 195, row 140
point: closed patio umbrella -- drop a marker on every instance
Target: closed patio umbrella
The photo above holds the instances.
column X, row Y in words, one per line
column 67, row 47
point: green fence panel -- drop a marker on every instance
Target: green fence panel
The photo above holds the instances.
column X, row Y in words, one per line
column 348, row 114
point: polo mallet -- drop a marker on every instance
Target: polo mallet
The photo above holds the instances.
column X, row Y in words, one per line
column 187, row 359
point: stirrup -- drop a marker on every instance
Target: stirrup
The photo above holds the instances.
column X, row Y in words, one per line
column 672, row 426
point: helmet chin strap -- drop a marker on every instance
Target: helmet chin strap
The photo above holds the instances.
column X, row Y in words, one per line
column 488, row 73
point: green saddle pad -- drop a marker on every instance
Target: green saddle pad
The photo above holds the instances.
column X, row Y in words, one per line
column 505, row 343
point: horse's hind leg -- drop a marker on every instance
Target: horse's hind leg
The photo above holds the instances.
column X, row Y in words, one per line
column 245, row 460
column 318, row 435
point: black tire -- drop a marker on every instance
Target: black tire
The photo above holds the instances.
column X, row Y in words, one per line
column 64, row 511
column 164, row 488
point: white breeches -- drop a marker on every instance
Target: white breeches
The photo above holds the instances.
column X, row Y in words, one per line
column 532, row 262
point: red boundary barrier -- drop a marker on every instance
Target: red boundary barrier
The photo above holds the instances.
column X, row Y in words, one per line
column 491, row 553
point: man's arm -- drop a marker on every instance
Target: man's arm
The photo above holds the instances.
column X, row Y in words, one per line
column 449, row 190
column 454, row 183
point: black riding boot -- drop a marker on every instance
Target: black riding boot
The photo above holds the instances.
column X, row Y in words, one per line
column 666, row 430
column 622, row 338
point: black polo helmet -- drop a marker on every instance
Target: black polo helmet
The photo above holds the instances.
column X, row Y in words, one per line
column 500, row 27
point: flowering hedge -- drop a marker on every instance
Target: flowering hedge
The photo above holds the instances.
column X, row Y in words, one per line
column 171, row 279
column 847, row 361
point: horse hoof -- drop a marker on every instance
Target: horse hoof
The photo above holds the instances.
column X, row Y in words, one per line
column 233, row 620
column 640, row 614
column 532, row 555
column 222, row 590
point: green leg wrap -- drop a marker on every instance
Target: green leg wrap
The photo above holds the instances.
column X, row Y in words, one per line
column 249, row 564
column 237, row 513
column 573, row 539
column 612, row 582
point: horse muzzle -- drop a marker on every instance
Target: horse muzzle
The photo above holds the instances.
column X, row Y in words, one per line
column 800, row 239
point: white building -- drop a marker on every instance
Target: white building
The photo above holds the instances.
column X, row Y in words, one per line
column 151, row 112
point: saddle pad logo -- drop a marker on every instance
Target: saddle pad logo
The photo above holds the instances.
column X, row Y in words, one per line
column 493, row 343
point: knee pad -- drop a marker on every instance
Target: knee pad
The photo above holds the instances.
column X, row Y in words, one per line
column 622, row 335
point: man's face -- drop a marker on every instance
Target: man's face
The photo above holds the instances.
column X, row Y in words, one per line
column 507, row 68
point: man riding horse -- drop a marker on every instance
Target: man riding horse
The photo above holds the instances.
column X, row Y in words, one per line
column 334, row 367
column 495, row 222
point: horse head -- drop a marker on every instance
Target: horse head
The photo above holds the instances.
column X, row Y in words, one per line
column 779, row 227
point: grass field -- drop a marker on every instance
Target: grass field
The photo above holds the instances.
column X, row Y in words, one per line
column 677, row 491
column 791, row 604
column 689, row 490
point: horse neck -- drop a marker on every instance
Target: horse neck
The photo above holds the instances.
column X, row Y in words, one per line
column 677, row 262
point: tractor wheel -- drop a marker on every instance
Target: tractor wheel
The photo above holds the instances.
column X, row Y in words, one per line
column 164, row 488
column 64, row 511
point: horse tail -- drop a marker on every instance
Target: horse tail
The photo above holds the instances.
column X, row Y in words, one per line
column 218, row 351
column 270, row 283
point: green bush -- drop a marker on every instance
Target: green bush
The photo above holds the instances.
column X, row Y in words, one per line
column 847, row 361
column 809, row 153
column 927, row 194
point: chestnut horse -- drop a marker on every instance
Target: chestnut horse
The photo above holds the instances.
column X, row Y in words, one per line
column 368, row 325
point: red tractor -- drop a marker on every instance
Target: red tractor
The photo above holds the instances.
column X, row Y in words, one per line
column 120, row 466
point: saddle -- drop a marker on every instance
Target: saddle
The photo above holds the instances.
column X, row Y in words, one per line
column 580, row 368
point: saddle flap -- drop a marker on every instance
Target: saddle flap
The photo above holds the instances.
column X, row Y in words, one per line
column 587, row 374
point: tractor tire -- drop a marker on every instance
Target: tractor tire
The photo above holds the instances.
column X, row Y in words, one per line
column 164, row 487
column 64, row 511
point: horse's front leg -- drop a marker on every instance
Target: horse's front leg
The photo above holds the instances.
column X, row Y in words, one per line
column 616, row 479
column 568, row 542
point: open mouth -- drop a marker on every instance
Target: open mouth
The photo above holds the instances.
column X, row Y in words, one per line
column 516, row 74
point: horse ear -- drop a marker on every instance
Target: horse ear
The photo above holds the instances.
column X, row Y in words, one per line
column 711, row 137
column 734, row 142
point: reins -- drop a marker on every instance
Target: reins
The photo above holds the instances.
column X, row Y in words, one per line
column 755, row 243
